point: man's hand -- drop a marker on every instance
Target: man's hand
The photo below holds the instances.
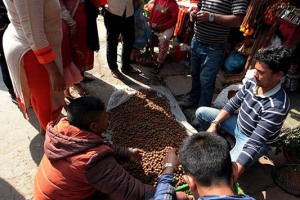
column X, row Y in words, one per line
column 193, row 15
column 156, row 27
column 135, row 154
column 171, row 157
column 212, row 129
column 202, row 16
column 240, row 169
column 183, row 196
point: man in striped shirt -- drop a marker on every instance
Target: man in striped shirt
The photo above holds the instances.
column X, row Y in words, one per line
column 213, row 19
column 262, row 104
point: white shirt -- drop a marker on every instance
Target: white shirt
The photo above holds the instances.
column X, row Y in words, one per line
column 118, row 7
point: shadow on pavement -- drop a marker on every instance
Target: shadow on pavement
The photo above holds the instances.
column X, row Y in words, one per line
column 13, row 193
column 36, row 148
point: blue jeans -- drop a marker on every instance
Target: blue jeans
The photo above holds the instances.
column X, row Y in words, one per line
column 205, row 115
column 206, row 60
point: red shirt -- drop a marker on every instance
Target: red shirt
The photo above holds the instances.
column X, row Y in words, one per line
column 164, row 13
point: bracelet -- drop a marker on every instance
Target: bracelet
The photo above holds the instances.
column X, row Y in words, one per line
column 216, row 123
column 169, row 165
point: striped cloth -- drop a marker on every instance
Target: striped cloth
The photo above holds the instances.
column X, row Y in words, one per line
column 210, row 33
column 260, row 117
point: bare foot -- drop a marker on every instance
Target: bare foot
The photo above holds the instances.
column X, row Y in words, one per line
column 68, row 94
column 80, row 90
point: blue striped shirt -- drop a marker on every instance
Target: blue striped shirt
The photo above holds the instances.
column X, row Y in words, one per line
column 211, row 33
column 166, row 191
column 260, row 117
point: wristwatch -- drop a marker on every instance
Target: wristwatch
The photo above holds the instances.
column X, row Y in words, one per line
column 211, row 17
column 169, row 165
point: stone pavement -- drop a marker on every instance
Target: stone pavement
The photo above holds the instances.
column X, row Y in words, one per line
column 21, row 147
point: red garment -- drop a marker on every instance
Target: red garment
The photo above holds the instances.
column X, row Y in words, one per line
column 71, row 72
column 39, row 83
column 85, row 62
column 77, row 164
column 164, row 13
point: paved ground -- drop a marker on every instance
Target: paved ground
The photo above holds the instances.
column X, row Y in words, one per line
column 21, row 147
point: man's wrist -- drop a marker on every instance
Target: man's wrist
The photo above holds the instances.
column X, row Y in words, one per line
column 211, row 17
column 216, row 122
column 171, row 165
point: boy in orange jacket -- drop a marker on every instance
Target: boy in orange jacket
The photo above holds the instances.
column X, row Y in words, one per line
column 79, row 164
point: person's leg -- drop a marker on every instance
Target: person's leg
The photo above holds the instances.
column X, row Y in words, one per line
column 6, row 77
column 112, row 24
column 195, row 72
column 163, row 45
column 241, row 140
column 206, row 115
column 127, row 32
column 39, row 83
column 212, row 59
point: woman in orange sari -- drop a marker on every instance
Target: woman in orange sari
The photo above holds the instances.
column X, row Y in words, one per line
column 32, row 49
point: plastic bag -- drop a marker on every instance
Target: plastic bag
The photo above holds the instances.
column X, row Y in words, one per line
column 141, row 29
column 235, row 62
column 222, row 98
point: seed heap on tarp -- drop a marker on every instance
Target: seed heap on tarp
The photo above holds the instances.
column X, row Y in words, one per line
column 145, row 121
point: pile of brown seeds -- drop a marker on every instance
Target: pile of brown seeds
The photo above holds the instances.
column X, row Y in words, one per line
column 145, row 121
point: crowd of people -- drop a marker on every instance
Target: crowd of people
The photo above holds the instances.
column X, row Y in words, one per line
column 49, row 44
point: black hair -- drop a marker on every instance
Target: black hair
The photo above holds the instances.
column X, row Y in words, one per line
column 205, row 156
column 81, row 112
column 277, row 58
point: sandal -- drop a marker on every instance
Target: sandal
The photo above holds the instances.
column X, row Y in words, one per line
column 130, row 70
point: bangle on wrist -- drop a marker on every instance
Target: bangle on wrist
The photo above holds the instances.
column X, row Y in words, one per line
column 169, row 165
column 216, row 122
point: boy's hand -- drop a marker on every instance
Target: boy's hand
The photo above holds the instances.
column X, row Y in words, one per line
column 135, row 154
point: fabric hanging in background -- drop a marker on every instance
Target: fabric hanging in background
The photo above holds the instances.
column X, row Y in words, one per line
column 182, row 26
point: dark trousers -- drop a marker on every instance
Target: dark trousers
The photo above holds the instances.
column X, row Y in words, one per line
column 5, row 75
column 116, row 25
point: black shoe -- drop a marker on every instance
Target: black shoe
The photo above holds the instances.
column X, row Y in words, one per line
column 186, row 103
column 13, row 98
column 132, row 61
column 116, row 73
column 159, row 66
column 130, row 70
